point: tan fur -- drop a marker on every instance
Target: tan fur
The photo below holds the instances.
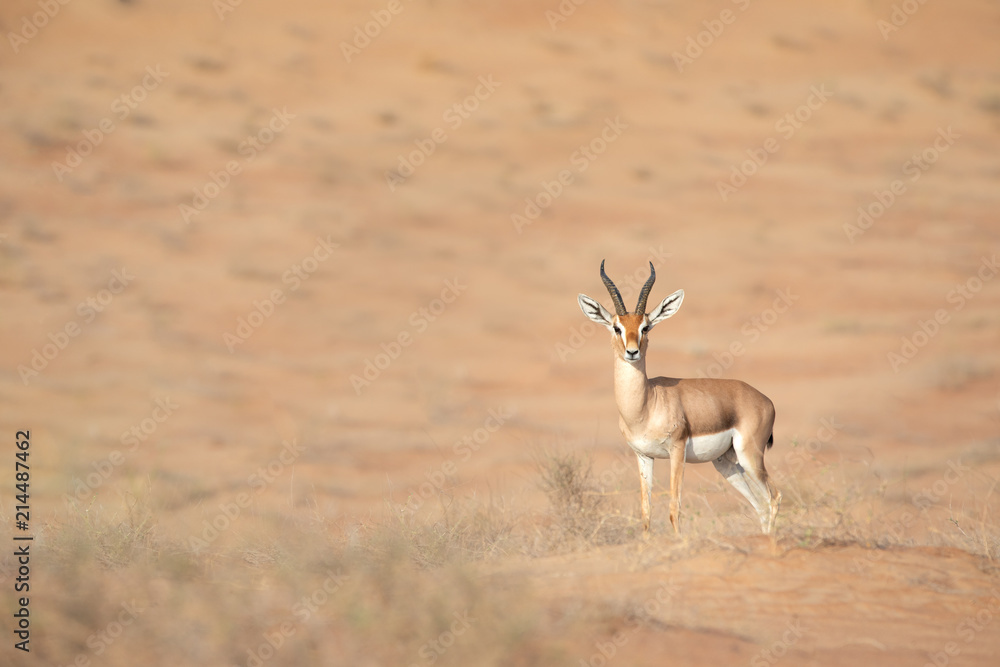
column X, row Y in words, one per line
column 725, row 421
column 671, row 410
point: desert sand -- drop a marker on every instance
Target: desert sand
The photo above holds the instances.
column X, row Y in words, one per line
column 289, row 296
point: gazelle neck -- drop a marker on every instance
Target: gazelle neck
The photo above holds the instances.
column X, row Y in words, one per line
column 630, row 388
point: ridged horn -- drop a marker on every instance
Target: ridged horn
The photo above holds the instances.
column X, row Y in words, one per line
column 616, row 296
column 640, row 307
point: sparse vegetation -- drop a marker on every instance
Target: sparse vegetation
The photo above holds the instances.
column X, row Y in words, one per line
column 384, row 591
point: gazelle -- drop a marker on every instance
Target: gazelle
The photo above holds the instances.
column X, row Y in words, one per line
column 727, row 422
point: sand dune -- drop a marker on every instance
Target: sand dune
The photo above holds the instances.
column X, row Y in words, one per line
column 318, row 262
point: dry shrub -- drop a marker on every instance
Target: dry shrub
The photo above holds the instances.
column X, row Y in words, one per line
column 384, row 592
column 390, row 595
column 461, row 531
column 114, row 540
column 580, row 509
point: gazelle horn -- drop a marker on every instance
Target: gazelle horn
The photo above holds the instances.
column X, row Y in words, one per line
column 640, row 307
column 616, row 296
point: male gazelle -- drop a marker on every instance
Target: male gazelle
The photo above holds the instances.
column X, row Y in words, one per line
column 727, row 422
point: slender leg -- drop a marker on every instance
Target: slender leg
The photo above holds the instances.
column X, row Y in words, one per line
column 752, row 462
column 733, row 472
column 646, row 485
column 775, row 504
column 771, row 497
column 677, row 455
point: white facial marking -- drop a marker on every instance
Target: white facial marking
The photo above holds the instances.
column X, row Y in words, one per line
column 619, row 330
column 642, row 328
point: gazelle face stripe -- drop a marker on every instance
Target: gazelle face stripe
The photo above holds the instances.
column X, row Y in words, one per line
column 622, row 331
column 631, row 329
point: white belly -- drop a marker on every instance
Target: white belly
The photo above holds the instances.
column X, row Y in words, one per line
column 699, row 449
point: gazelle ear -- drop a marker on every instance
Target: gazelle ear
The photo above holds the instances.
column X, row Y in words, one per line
column 595, row 311
column 667, row 308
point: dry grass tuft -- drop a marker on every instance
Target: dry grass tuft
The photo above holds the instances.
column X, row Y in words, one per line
column 581, row 512
column 112, row 541
column 461, row 531
column 385, row 591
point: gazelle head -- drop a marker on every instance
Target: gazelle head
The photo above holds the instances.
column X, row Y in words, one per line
column 628, row 331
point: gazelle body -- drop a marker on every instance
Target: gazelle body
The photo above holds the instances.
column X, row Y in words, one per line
column 727, row 422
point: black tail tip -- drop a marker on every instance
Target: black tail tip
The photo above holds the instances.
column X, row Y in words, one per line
column 770, row 441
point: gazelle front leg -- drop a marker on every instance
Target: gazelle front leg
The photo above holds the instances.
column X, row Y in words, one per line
column 677, row 454
column 646, row 487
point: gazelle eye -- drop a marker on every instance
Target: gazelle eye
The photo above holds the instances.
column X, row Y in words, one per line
column 643, row 330
column 618, row 330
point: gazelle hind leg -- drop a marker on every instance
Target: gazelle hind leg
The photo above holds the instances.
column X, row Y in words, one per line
column 755, row 474
column 729, row 467
column 775, row 505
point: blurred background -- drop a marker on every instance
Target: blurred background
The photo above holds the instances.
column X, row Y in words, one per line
column 324, row 259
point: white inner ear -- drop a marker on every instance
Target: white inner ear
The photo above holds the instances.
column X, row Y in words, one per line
column 667, row 307
column 595, row 311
